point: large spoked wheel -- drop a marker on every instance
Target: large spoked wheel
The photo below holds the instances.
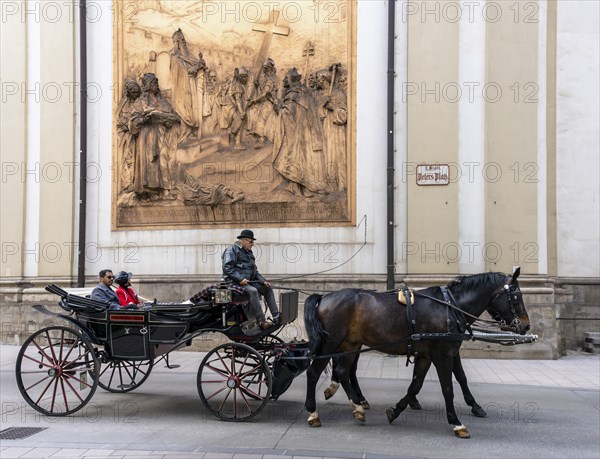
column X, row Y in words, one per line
column 124, row 375
column 57, row 371
column 234, row 382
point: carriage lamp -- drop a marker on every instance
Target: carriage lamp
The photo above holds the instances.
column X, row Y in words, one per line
column 222, row 295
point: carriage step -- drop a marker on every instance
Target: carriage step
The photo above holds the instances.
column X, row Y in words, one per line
column 125, row 386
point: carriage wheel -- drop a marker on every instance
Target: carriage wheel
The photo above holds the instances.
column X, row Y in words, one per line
column 234, row 382
column 124, row 375
column 57, row 371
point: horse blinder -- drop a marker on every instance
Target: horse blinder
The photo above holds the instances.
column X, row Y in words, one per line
column 514, row 301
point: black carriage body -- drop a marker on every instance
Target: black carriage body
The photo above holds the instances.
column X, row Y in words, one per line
column 158, row 328
column 146, row 334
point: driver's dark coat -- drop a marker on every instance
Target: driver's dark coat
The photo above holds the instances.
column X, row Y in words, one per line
column 239, row 264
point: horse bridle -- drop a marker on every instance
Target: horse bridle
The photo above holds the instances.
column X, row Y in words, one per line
column 514, row 296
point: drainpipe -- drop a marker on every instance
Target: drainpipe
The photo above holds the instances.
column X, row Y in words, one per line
column 391, row 282
column 82, row 141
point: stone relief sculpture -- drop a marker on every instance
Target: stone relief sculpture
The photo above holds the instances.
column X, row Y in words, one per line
column 155, row 124
column 126, row 139
column 261, row 104
column 222, row 138
column 186, row 91
column 299, row 147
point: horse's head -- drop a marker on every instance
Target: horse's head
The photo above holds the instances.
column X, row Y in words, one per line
column 507, row 306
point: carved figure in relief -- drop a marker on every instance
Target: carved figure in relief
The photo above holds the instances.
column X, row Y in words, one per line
column 261, row 115
column 335, row 116
column 235, row 107
column 126, row 139
column 186, row 89
column 211, row 113
column 155, row 124
column 298, row 147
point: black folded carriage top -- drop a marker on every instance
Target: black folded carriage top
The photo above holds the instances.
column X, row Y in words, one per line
column 71, row 302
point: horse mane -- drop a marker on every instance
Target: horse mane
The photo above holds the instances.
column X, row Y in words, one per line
column 465, row 283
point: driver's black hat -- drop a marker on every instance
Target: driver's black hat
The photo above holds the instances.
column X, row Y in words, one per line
column 247, row 234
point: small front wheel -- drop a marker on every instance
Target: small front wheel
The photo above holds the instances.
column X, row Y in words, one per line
column 234, row 382
column 57, row 371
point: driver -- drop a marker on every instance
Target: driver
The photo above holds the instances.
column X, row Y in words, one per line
column 239, row 266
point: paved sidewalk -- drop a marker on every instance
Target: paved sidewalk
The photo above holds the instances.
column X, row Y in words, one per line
column 577, row 370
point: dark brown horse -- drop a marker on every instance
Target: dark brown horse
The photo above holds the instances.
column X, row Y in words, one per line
column 346, row 320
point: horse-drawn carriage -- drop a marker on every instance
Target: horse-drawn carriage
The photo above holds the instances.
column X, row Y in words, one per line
column 59, row 368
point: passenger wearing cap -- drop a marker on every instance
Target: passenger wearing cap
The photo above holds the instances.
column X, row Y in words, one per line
column 125, row 292
column 239, row 266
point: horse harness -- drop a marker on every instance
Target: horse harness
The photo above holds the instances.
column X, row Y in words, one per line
column 454, row 315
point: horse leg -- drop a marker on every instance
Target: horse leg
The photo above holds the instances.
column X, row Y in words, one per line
column 414, row 403
column 312, row 378
column 444, row 367
column 419, row 372
column 461, row 377
column 345, row 366
column 335, row 381
column 354, row 381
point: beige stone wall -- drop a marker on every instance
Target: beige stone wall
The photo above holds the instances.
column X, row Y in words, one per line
column 432, row 123
column 441, row 97
column 511, row 155
column 39, row 161
column 58, row 155
column 13, row 144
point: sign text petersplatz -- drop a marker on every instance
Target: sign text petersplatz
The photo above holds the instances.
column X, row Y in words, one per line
column 433, row 174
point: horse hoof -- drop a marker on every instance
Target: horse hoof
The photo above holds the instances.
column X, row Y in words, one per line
column 365, row 405
column 415, row 405
column 478, row 412
column 359, row 416
column 313, row 419
column 331, row 390
column 461, row 432
column 391, row 415
column 314, row 422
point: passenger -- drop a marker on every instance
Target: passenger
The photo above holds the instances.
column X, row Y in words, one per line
column 240, row 267
column 125, row 292
column 102, row 292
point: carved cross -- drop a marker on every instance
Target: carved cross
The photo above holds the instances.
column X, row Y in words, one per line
column 269, row 28
column 307, row 52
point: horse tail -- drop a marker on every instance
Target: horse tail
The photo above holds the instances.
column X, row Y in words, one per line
column 314, row 329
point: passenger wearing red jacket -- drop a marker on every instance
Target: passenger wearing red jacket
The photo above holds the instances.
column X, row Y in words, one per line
column 125, row 292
